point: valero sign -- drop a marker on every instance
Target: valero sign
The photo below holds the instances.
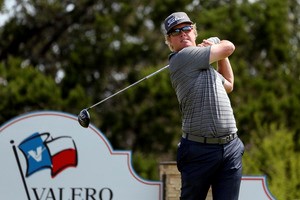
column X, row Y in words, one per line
column 49, row 156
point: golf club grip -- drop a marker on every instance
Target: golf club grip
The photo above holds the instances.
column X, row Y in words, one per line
column 135, row 83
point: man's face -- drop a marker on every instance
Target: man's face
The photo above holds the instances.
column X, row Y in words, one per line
column 183, row 37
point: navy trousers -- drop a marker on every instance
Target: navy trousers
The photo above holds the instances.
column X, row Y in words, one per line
column 204, row 165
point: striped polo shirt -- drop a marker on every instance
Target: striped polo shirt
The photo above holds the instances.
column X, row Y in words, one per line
column 204, row 104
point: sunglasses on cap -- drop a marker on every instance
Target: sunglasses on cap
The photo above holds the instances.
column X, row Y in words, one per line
column 177, row 31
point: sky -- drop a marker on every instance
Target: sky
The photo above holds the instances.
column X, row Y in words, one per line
column 8, row 5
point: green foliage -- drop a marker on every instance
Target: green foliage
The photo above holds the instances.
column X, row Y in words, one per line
column 275, row 155
column 66, row 55
column 146, row 165
column 1, row 5
column 25, row 89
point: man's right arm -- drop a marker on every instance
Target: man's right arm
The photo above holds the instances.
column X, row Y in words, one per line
column 221, row 51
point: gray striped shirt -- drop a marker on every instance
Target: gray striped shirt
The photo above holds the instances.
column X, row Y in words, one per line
column 204, row 104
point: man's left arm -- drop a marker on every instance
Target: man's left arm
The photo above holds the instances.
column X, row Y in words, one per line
column 224, row 68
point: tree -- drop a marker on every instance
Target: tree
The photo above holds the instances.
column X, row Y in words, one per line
column 85, row 50
column 276, row 156
column 25, row 89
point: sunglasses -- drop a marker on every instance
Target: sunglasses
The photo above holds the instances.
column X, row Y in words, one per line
column 177, row 31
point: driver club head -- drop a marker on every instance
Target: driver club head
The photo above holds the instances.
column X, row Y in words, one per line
column 84, row 118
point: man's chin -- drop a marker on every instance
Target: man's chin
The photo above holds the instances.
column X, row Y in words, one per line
column 188, row 44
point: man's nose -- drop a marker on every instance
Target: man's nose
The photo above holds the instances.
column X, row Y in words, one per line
column 181, row 33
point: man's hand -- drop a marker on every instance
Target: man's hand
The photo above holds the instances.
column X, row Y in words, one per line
column 210, row 41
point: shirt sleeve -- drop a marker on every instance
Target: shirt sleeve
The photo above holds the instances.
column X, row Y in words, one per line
column 192, row 59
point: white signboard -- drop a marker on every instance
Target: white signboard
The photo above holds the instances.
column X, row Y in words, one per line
column 254, row 187
column 49, row 156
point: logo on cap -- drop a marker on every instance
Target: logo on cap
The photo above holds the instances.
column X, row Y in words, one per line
column 176, row 18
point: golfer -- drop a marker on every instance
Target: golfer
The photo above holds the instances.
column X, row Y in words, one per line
column 210, row 152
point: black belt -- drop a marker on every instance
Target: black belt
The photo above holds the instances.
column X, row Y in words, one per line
column 209, row 140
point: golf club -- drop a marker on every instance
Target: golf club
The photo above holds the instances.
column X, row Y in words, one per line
column 84, row 116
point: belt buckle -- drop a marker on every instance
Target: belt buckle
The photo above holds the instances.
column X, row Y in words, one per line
column 225, row 139
column 228, row 138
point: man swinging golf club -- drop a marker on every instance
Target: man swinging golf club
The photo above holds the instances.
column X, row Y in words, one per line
column 210, row 152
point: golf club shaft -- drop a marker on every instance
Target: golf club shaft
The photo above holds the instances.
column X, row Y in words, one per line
column 128, row 87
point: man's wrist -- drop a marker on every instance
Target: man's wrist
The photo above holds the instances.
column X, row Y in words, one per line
column 214, row 40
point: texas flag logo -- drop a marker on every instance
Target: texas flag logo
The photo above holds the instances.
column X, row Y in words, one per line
column 43, row 152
